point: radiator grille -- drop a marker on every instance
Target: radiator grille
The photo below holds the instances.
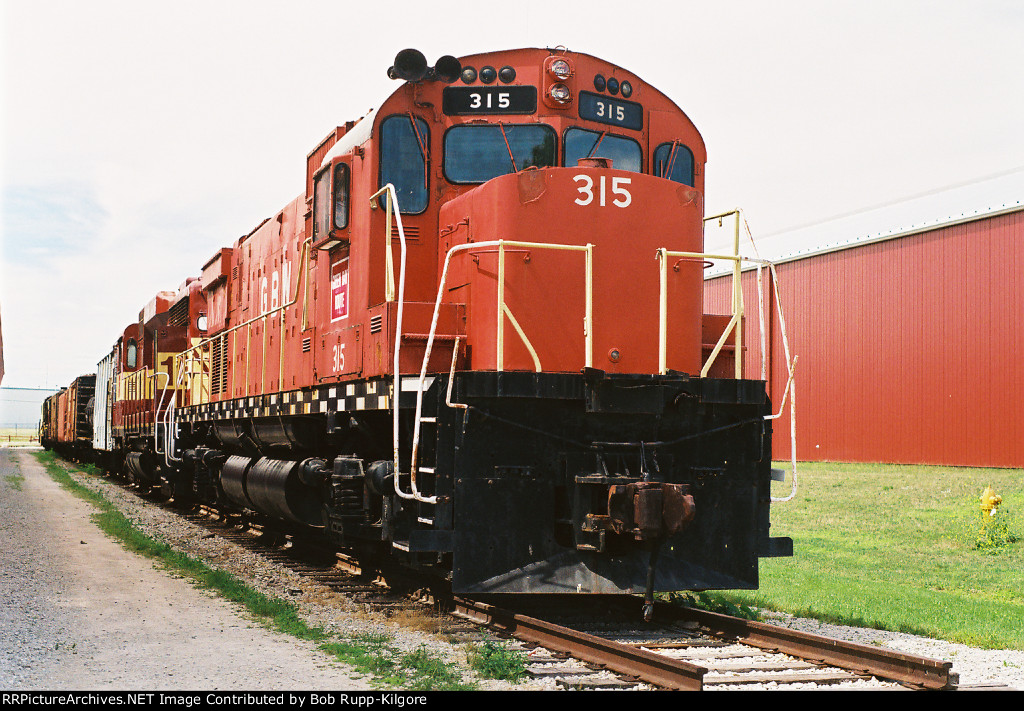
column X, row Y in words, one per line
column 218, row 378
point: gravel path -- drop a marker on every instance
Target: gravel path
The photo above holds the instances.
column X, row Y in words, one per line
column 78, row 612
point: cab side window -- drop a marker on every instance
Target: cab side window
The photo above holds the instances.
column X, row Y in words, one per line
column 405, row 145
column 132, row 354
column 330, row 213
column 321, row 212
column 340, row 196
column 675, row 162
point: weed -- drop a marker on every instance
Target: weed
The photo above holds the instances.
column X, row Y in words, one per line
column 994, row 533
column 368, row 654
column 374, row 655
column 493, row 660
column 428, row 673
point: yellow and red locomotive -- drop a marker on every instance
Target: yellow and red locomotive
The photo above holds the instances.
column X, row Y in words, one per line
column 462, row 349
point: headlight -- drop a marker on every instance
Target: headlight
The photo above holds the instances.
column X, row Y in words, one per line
column 560, row 93
column 561, row 69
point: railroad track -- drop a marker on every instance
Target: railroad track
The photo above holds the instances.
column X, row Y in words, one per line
column 696, row 650
column 603, row 644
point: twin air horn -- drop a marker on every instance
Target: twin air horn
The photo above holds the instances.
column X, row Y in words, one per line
column 411, row 65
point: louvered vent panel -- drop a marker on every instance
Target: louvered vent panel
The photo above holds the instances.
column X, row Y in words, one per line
column 178, row 314
column 411, row 231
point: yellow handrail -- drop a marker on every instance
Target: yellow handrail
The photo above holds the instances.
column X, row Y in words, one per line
column 294, row 297
column 737, row 307
column 503, row 310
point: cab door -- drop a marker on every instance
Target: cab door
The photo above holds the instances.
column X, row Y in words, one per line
column 336, row 335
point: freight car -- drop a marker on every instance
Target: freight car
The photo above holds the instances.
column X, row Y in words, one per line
column 474, row 346
column 66, row 424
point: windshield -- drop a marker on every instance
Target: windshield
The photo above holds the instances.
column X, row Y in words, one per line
column 581, row 143
column 475, row 154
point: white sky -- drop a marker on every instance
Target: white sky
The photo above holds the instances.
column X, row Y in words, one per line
column 139, row 137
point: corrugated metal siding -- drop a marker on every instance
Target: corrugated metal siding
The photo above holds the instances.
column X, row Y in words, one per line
column 910, row 349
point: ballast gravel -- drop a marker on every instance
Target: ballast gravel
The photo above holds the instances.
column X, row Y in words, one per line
column 986, row 668
column 78, row 612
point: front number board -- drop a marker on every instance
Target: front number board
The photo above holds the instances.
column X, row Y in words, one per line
column 614, row 112
column 482, row 100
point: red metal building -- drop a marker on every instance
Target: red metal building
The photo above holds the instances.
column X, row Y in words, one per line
column 909, row 346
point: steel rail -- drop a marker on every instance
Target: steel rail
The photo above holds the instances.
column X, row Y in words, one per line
column 624, row 659
column 911, row 670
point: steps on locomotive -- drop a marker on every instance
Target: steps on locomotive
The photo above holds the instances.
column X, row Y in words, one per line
column 424, row 535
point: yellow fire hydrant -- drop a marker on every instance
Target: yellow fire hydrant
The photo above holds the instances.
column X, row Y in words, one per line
column 990, row 501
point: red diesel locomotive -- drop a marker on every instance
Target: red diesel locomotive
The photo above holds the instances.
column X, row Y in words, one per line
column 465, row 348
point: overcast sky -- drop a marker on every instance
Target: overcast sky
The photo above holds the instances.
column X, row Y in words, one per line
column 139, row 137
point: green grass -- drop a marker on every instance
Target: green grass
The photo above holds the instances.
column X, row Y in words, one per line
column 901, row 548
column 372, row 655
column 714, row 602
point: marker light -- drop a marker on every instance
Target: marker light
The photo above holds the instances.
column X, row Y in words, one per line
column 507, row 74
column 599, row 82
column 561, row 69
column 488, row 75
column 560, row 93
column 468, row 75
column 627, row 89
column 613, row 86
